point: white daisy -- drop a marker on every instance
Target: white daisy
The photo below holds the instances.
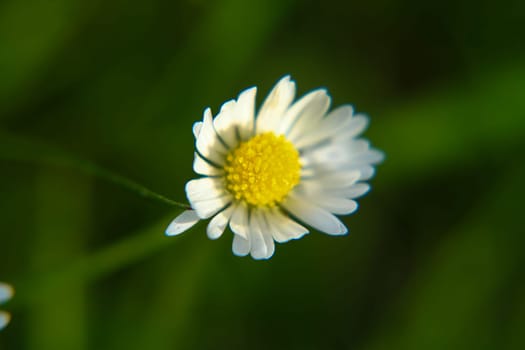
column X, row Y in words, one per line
column 6, row 293
column 262, row 172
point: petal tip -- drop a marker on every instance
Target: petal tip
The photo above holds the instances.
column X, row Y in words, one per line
column 197, row 126
column 6, row 292
column 214, row 232
column 5, row 318
column 182, row 223
column 341, row 230
column 287, row 78
column 207, row 113
column 380, row 156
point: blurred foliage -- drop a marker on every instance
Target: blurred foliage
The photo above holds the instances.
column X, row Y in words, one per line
column 92, row 91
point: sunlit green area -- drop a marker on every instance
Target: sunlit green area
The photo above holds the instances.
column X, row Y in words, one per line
column 97, row 102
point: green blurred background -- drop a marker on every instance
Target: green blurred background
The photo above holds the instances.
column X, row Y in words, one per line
column 435, row 255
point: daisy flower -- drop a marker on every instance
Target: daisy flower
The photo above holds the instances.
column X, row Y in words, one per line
column 265, row 174
column 6, row 293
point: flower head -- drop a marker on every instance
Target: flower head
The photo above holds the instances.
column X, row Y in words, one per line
column 263, row 172
column 6, row 293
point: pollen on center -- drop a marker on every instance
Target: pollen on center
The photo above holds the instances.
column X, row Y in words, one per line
column 262, row 170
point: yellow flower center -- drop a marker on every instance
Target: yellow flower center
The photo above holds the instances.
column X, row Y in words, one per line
column 262, row 170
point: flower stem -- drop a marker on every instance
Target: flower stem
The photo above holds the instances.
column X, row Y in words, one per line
column 18, row 148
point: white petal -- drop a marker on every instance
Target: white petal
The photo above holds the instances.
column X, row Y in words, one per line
column 339, row 116
column 6, row 292
column 336, row 158
column 197, row 128
column 283, row 228
column 207, row 196
column 311, row 114
column 240, row 246
column 314, row 216
column 208, row 143
column 312, row 189
column 4, row 319
column 356, row 126
column 275, row 105
column 182, row 223
column 335, row 153
column 354, row 146
column 202, row 167
column 308, row 105
column 370, row 156
column 224, row 123
column 270, row 244
column 208, row 208
column 339, row 123
column 337, row 205
column 335, row 179
column 205, row 188
column 326, row 128
column 266, row 231
column 246, row 112
column 355, row 191
column 219, row 222
column 239, row 221
column 258, row 249
column 341, row 153
column 366, row 172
